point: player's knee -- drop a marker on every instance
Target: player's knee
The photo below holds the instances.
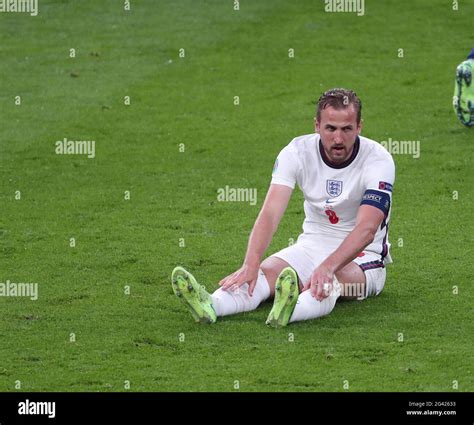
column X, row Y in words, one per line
column 375, row 281
column 353, row 283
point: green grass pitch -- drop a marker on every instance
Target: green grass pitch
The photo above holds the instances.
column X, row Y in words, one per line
column 106, row 318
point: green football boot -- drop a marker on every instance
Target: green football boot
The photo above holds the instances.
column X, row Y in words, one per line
column 196, row 299
column 286, row 296
column 463, row 100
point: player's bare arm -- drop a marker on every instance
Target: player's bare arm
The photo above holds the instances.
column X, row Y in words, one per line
column 263, row 230
column 368, row 221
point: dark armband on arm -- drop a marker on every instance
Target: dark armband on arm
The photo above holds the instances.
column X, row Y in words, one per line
column 377, row 199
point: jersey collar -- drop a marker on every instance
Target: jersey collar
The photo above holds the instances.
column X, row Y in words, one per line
column 344, row 164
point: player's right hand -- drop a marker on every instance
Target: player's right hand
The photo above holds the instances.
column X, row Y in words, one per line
column 246, row 274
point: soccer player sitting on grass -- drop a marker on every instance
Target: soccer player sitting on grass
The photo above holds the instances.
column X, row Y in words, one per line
column 347, row 184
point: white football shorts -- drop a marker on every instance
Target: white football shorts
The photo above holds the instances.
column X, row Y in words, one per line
column 305, row 255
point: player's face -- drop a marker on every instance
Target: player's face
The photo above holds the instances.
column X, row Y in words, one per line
column 338, row 129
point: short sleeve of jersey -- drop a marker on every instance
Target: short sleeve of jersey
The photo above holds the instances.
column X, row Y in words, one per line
column 286, row 168
column 379, row 180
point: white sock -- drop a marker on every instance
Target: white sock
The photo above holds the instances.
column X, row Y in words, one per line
column 308, row 307
column 238, row 301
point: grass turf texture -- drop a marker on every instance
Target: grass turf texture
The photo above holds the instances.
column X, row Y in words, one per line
column 135, row 242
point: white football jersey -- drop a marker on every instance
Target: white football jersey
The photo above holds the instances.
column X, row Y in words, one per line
column 333, row 193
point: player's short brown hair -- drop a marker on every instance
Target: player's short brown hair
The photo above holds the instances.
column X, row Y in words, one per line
column 339, row 99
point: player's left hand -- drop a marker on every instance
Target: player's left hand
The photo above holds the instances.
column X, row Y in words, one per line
column 321, row 277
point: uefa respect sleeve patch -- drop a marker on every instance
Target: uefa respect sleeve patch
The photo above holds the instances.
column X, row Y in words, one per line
column 380, row 200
